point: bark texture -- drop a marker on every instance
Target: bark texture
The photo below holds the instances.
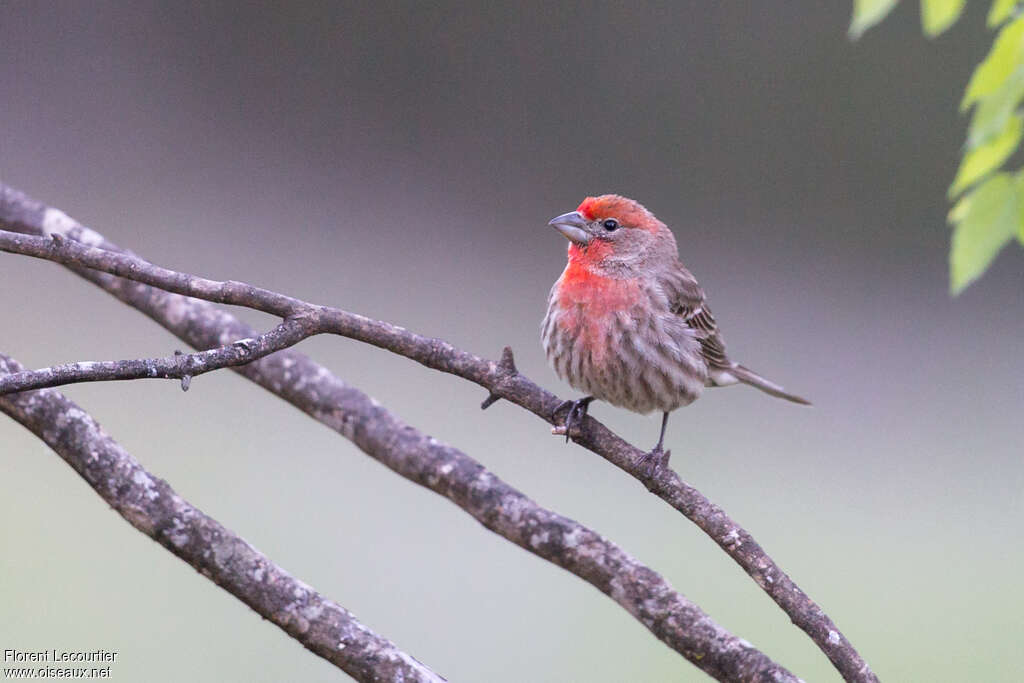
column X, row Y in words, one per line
column 151, row 506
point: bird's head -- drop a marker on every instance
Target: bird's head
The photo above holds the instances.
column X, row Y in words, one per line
column 615, row 234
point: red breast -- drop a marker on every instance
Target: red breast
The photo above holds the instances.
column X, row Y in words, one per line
column 589, row 303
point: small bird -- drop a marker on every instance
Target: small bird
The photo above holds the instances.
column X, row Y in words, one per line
column 628, row 324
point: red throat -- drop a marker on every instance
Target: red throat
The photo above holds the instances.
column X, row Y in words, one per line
column 589, row 255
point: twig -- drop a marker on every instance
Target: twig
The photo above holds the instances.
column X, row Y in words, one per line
column 507, row 366
column 152, row 506
column 183, row 366
column 430, row 463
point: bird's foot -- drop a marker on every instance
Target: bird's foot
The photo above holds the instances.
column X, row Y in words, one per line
column 572, row 425
column 652, row 463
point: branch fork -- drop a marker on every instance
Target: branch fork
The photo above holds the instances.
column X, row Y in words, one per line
column 505, row 371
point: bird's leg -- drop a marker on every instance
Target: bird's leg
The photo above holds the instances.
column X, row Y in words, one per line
column 657, row 459
column 573, row 422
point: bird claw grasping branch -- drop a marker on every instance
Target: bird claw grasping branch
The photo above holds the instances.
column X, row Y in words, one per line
column 651, row 463
column 572, row 425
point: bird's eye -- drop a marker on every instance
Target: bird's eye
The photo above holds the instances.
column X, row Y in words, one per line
column 610, row 224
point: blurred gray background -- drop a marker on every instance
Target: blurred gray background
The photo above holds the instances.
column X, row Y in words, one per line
column 401, row 161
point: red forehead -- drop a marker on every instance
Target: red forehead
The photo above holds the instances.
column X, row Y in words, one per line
column 628, row 212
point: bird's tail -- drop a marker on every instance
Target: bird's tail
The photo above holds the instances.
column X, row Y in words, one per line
column 748, row 376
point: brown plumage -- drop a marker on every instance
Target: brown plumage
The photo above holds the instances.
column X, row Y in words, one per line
column 627, row 323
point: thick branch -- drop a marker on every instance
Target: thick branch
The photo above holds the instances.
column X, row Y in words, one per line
column 430, row 463
column 151, row 506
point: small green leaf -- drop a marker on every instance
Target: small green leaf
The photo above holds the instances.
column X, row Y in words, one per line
column 1000, row 12
column 985, row 220
column 993, row 112
column 938, row 15
column 999, row 63
column 867, row 13
column 986, row 158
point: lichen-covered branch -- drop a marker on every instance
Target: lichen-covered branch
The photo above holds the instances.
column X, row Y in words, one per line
column 151, row 506
column 21, row 214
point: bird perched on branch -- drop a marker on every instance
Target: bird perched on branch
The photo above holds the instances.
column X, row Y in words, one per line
column 628, row 324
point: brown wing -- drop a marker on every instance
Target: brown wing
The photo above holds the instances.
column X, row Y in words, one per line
column 687, row 300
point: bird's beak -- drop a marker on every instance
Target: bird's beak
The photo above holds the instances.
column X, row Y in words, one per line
column 573, row 225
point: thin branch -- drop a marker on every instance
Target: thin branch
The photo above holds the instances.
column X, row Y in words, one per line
column 152, row 506
column 432, row 464
column 183, row 366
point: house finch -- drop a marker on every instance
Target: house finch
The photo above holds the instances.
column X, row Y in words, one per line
column 628, row 324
